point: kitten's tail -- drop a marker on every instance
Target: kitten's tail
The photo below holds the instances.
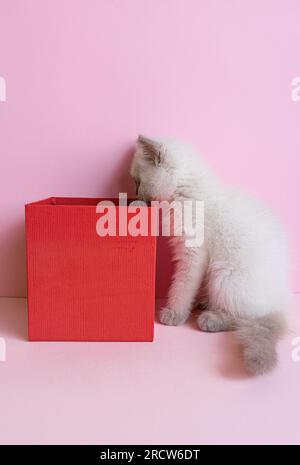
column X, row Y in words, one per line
column 258, row 338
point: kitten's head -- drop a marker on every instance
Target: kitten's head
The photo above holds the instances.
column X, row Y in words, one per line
column 157, row 168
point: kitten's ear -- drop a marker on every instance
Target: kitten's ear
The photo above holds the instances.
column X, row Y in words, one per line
column 151, row 148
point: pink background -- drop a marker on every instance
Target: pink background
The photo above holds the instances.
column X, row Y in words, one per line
column 84, row 77
column 187, row 387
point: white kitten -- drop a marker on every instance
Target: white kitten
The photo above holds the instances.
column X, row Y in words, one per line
column 240, row 273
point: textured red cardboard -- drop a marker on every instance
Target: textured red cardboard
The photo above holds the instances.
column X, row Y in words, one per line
column 83, row 287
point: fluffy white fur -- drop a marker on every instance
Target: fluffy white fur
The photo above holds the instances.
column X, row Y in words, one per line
column 239, row 276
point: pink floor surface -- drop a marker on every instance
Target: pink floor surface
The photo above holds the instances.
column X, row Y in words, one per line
column 187, row 387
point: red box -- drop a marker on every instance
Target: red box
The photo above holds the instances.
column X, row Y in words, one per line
column 83, row 287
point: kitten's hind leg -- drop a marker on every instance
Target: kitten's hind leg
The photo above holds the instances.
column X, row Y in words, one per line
column 214, row 321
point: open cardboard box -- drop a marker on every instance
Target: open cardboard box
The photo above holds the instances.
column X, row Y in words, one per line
column 84, row 287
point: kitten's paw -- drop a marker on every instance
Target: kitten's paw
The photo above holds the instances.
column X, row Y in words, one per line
column 171, row 317
column 213, row 321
